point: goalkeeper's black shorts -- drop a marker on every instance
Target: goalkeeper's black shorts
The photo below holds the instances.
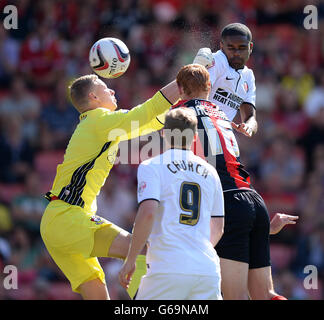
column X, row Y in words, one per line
column 246, row 230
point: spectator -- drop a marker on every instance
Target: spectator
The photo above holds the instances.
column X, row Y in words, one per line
column 16, row 152
column 25, row 254
column 6, row 224
column 313, row 137
column 59, row 116
column 298, row 79
column 9, row 57
column 115, row 202
column 315, row 100
column 311, row 200
column 311, row 251
column 283, row 166
column 21, row 101
column 28, row 207
column 41, row 57
column 289, row 115
column 266, row 91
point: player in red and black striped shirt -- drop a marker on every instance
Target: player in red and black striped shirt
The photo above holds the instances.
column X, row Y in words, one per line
column 244, row 247
column 217, row 144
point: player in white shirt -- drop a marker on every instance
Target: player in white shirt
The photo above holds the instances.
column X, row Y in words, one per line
column 233, row 83
column 181, row 215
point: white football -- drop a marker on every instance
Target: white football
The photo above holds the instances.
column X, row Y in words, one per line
column 109, row 57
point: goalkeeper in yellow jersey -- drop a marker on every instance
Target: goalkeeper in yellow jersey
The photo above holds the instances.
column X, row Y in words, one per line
column 72, row 232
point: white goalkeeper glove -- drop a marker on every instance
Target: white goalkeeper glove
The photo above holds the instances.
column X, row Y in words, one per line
column 204, row 57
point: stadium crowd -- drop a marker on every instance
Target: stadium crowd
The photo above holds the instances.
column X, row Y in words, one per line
column 50, row 48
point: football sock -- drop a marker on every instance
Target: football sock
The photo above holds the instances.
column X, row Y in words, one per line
column 140, row 271
column 279, row 298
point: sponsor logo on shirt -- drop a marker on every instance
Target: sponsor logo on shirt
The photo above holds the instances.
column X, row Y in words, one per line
column 228, row 99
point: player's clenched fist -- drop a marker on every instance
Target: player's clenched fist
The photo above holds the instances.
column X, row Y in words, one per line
column 204, row 57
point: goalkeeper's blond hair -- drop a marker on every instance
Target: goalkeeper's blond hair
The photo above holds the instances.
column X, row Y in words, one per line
column 79, row 91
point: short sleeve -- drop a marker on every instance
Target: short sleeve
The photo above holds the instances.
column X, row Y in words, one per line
column 251, row 93
column 218, row 68
column 149, row 185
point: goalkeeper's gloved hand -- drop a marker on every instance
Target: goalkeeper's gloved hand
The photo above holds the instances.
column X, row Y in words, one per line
column 204, row 57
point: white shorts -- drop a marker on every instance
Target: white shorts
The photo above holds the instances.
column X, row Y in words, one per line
column 179, row 287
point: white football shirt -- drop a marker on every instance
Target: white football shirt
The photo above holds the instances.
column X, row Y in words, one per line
column 189, row 193
column 230, row 87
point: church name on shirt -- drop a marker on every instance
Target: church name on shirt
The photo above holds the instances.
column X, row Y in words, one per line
column 175, row 166
column 227, row 98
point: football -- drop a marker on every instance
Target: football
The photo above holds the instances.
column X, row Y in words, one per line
column 109, row 57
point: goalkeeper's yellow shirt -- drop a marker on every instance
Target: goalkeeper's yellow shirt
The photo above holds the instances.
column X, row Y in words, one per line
column 93, row 146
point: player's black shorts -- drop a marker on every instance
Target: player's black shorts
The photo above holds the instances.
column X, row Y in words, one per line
column 246, row 230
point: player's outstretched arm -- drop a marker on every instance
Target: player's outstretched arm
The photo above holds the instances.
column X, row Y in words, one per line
column 140, row 120
column 142, row 229
column 280, row 220
column 171, row 92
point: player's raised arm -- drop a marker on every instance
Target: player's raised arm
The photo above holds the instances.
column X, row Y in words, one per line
column 171, row 92
column 141, row 120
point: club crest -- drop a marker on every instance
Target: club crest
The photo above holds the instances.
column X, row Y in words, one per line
column 96, row 220
column 246, row 86
column 142, row 187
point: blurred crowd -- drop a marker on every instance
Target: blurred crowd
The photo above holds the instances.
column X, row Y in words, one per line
column 50, row 48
